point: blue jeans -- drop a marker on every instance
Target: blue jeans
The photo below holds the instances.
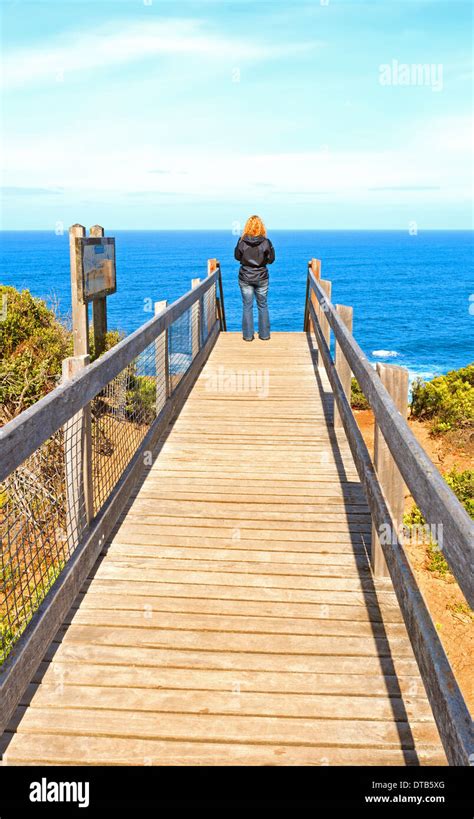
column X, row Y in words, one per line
column 260, row 291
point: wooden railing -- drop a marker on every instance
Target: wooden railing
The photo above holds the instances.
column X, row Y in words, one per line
column 69, row 462
column 438, row 504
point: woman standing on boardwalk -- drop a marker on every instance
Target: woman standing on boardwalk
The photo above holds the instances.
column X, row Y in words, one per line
column 254, row 251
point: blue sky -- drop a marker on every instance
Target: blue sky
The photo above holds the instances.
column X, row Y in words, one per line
column 178, row 114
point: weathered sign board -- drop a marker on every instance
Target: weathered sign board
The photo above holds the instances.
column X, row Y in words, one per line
column 95, row 262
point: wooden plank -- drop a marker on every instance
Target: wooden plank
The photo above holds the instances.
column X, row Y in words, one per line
column 36, row 749
column 148, row 618
column 218, row 640
column 311, row 542
column 342, row 562
column 131, row 570
column 152, row 657
column 371, row 614
column 206, row 679
column 236, row 700
column 210, row 563
column 229, row 533
column 229, row 728
column 232, row 591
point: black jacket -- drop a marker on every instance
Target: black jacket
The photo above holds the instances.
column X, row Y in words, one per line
column 254, row 253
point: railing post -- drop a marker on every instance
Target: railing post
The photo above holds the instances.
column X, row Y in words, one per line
column 99, row 307
column 80, row 315
column 77, row 460
column 342, row 367
column 314, row 265
column 196, row 319
column 220, row 302
column 162, row 362
column 395, row 381
column 325, row 326
column 212, row 312
column 306, row 320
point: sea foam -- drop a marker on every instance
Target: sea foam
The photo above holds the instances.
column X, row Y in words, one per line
column 385, row 353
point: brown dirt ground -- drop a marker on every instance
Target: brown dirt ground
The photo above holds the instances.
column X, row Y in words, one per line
column 446, row 603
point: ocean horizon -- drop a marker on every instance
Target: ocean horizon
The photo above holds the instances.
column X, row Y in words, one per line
column 412, row 294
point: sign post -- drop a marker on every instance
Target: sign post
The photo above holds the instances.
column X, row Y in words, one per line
column 93, row 278
column 99, row 307
column 80, row 319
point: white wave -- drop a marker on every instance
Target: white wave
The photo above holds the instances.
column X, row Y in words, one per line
column 426, row 375
column 385, row 353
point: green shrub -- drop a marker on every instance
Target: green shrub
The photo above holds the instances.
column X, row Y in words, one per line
column 447, row 400
column 112, row 337
column 141, row 399
column 436, row 561
column 33, row 344
column 462, row 484
column 358, row 399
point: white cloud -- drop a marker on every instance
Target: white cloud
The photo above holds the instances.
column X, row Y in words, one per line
column 432, row 164
column 101, row 48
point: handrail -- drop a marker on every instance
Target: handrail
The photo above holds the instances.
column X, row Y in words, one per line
column 431, row 493
column 449, row 708
column 25, row 433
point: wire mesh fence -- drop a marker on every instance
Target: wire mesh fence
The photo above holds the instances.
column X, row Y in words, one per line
column 37, row 537
column 44, row 505
column 121, row 415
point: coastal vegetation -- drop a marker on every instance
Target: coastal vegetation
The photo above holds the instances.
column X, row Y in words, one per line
column 462, row 484
column 34, row 341
column 358, row 399
column 446, row 401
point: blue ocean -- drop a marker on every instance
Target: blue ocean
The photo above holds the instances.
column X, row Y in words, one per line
column 412, row 295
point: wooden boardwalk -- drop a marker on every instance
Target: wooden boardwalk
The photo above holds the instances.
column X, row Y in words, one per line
column 234, row 618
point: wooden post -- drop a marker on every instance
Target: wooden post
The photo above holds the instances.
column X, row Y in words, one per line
column 196, row 319
column 314, row 265
column 77, row 460
column 80, row 317
column 342, row 367
column 325, row 326
column 395, row 381
column 161, row 362
column 99, row 308
column 221, row 312
column 212, row 312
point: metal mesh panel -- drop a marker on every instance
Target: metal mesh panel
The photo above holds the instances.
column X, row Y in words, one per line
column 38, row 534
column 182, row 335
column 208, row 311
column 122, row 414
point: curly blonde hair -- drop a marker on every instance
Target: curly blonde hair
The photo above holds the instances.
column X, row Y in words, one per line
column 254, row 227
